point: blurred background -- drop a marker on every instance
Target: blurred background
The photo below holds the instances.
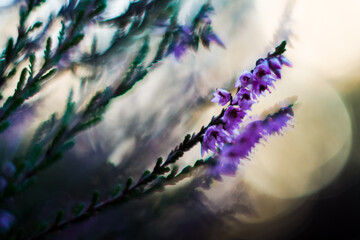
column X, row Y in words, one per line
column 303, row 184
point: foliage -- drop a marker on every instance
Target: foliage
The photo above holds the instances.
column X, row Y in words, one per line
column 53, row 138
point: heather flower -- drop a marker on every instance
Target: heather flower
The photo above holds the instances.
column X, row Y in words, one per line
column 213, row 137
column 221, row 96
column 213, row 38
column 244, row 80
column 261, row 85
column 233, row 152
column 228, row 161
column 233, row 117
column 250, row 85
column 190, row 36
column 228, row 168
column 230, row 141
column 6, row 220
column 8, row 169
column 277, row 72
column 242, row 145
column 3, row 183
column 243, row 99
column 274, row 63
column 285, row 61
column 179, row 50
column 275, row 66
column 274, row 123
column 207, row 36
column 251, row 134
column 263, row 78
column 262, row 70
column 181, row 42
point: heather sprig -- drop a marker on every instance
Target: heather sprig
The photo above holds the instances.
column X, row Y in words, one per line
column 60, row 133
column 223, row 138
column 148, row 183
column 219, row 131
column 55, row 136
column 200, row 31
column 9, row 59
column 216, row 136
column 31, row 85
column 222, row 135
column 239, row 147
column 139, row 20
column 225, row 162
column 70, row 36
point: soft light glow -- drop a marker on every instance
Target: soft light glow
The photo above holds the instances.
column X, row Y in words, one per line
column 325, row 34
column 4, row 3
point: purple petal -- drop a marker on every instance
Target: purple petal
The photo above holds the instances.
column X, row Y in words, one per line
column 232, row 153
column 262, row 70
column 274, row 63
column 244, row 80
column 221, row 96
column 285, row 61
column 212, row 37
column 6, row 221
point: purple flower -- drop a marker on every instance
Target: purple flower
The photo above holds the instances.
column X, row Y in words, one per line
column 263, row 78
column 276, row 122
column 189, row 36
column 239, row 142
column 262, row 70
column 243, row 99
column 233, row 117
column 229, row 160
column 213, row 38
column 285, row 61
column 221, row 96
column 6, row 221
column 206, row 33
column 8, row 169
column 251, row 134
column 233, row 152
column 186, row 34
column 244, row 80
column 182, row 42
column 179, row 50
column 3, row 184
column 242, row 145
column 275, row 66
column 214, row 136
column 274, row 63
column 208, row 36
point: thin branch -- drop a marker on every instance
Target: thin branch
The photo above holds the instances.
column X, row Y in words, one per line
column 130, row 192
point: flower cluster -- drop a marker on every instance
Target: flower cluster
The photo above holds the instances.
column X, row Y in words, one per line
column 188, row 37
column 242, row 144
column 43, row 58
column 225, row 137
column 6, row 220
